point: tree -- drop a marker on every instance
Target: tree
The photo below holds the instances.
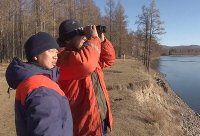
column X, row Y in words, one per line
column 151, row 26
column 110, row 8
column 89, row 13
column 119, row 29
column 139, row 48
column 143, row 28
column 22, row 18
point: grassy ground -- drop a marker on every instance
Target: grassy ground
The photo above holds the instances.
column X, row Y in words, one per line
column 138, row 102
column 142, row 104
column 7, row 127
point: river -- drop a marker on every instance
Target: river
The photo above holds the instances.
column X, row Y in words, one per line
column 183, row 75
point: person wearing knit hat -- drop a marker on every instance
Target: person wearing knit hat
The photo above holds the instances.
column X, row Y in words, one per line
column 38, row 44
column 41, row 107
column 84, row 55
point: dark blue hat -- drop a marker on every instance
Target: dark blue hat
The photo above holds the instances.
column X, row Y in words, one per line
column 68, row 29
column 39, row 43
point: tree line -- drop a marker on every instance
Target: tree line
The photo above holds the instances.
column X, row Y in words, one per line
column 22, row 18
column 181, row 50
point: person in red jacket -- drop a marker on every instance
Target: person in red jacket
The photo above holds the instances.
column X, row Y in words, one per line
column 84, row 55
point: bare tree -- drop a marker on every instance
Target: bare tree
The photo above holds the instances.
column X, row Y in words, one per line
column 143, row 27
column 156, row 27
column 110, row 8
column 139, row 46
column 89, row 13
column 119, row 29
column 150, row 25
column 22, row 18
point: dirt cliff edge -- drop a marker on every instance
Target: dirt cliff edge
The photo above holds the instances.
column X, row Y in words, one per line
column 143, row 103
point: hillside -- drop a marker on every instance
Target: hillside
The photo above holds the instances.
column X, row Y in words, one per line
column 142, row 103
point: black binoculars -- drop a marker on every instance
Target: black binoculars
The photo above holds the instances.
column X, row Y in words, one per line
column 101, row 29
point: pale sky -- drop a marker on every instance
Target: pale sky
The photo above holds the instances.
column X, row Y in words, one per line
column 181, row 19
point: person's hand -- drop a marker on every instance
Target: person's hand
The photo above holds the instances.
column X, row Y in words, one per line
column 102, row 37
column 90, row 31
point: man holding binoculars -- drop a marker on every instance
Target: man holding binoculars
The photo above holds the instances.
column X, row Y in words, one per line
column 85, row 52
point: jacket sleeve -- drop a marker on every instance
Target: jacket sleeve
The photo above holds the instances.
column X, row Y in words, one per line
column 79, row 64
column 43, row 115
column 107, row 56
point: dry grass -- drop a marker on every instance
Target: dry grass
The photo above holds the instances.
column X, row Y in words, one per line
column 7, row 127
column 139, row 104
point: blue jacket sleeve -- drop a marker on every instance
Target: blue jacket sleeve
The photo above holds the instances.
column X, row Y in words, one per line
column 44, row 115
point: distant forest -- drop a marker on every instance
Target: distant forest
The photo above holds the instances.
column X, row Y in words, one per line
column 22, row 18
column 181, row 50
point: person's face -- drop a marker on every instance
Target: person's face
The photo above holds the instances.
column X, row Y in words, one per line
column 47, row 59
column 77, row 41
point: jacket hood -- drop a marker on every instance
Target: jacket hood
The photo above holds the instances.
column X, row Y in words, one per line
column 18, row 71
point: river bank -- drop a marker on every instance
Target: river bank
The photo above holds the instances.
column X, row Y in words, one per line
column 142, row 103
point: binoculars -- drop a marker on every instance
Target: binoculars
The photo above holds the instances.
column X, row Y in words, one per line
column 101, row 29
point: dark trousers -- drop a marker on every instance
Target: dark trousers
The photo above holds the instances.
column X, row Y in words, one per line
column 105, row 128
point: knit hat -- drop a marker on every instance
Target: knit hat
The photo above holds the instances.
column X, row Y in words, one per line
column 39, row 43
column 69, row 29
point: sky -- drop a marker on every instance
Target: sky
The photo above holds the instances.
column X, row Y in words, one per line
column 181, row 19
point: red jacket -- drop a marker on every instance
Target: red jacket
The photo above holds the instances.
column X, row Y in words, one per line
column 76, row 68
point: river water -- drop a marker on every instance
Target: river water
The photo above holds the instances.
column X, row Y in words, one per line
column 183, row 75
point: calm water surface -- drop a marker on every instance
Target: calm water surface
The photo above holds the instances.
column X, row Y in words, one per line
column 183, row 75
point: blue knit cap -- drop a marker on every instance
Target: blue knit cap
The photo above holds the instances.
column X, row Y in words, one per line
column 69, row 29
column 38, row 44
